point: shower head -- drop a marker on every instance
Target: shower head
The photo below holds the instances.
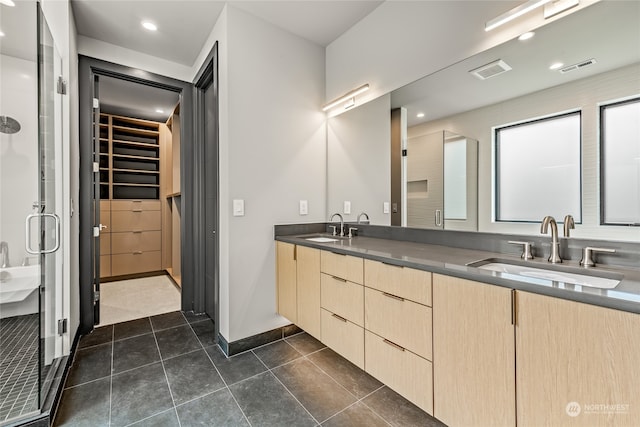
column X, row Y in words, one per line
column 9, row 125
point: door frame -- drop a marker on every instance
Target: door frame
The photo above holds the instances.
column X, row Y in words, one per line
column 190, row 221
column 207, row 75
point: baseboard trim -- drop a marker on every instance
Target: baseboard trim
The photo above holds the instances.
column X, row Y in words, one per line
column 249, row 343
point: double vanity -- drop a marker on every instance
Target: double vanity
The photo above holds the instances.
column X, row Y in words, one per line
column 471, row 336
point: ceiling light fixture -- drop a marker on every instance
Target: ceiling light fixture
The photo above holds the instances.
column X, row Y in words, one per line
column 514, row 13
column 346, row 97
column 526, row 36
column 556, row 65
column 148, row 25
column 159, row 111
column 420, row 115
column 7, row 3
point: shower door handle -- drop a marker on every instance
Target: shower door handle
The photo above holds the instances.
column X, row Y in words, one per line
column 28, row 248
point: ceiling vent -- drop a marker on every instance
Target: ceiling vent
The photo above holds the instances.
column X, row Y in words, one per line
column 491, row 69
column 578, row 66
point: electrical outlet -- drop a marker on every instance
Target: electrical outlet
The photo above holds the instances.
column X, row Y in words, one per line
column 347, row 207
column 304, row 207
column 385, row 207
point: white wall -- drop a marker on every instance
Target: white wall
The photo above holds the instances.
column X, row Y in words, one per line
column 18, row 152
column 272, row 154
column 402, row 41
column 584, row 94
column 359, row 161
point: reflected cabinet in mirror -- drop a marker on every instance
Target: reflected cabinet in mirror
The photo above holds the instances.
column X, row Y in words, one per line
column 586, row 166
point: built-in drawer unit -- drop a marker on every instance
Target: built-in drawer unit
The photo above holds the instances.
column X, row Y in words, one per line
column 409, row 283
column 135, row 205
column 343, row 266
column 105, row 215
column 135, row 221
column 344, row 337
column 105, row 265
column 400, row 369
column 136, row 241
column 137, row 262
column 343, row 298
column 105, row 244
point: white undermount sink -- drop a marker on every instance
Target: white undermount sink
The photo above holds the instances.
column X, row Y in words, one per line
column 530, row 273
column 321, row 239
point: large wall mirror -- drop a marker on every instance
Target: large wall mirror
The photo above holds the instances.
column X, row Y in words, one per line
column 599, row 47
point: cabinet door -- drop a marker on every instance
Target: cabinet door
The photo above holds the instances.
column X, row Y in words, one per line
column 308, row 290
column 473, row 353
column 578, row 364
column 286, row 280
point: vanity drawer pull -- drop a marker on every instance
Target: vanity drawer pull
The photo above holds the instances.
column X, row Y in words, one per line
column 392, row 296
column 137, row 231
column 339, row 317
column 392, row 265
column 136, row 210
column 392, row 344
column 339, row 279
column 137, row 252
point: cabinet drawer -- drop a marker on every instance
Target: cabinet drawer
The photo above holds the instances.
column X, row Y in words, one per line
column 135, row 205
column 343, row 266
column 105, row 205
column 401, row 370
column 105, row 244
column 135, row 221
column 343, row 337
column 402, row 321
column 129, row 242
column 408, row 283
column 105, row 219
column 342, row 297
column 135, row 263
column 105, row 265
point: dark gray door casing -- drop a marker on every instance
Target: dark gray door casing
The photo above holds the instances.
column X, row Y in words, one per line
column 191, row 219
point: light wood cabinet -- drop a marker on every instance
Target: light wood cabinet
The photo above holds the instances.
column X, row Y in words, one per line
column 344, row 337
column 343, row 298
column 308, row 290
column 135, row 221
column 286, row 281
column 473, row 354
column 577, row 364
column 399, row 320
column 132, row 242
column 401, row 370
column 344, row 266
column 409, row 283
column 137, row 262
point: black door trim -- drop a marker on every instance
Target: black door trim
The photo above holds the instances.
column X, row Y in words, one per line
column 88, row 68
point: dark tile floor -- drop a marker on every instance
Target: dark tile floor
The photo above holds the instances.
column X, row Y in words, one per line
column 165, row 371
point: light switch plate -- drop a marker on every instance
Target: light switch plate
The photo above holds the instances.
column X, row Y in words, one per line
column 238, row 207
column 385, row 207
column 304, row 207
column 347, row 207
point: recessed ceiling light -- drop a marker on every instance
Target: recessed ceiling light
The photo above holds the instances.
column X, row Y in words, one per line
column 159, row 110
column 1, row 34
column 526, row 36
column 149, row 26
column 556, row 65
column 420, row 115
column 7, row 2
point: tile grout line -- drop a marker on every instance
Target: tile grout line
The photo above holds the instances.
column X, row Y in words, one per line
column 218, row 371
column 285, row 387
column 155, row 339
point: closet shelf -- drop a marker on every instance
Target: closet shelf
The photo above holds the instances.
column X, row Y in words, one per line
column 129, row 184
column 136, row 131
column 169, row 196
column 136, row 171
column 128, row 156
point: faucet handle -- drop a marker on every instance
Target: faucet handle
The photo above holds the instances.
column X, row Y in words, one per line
column 335, row 227
column 351, row 230
column 527, row 252
column 587, row 255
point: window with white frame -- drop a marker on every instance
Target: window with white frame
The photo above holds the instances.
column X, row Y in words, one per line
column 620, row 163
column 538, row 169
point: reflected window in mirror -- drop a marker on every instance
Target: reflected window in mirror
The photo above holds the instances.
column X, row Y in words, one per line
column 537, row 169
column 620, row 162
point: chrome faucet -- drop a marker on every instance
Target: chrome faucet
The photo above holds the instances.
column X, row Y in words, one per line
column 365, row 215
column 569, row 224
column 4, row 252
column 341, row 224
column 554, row 256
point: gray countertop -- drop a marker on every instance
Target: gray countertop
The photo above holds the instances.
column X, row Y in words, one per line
column 452, row 262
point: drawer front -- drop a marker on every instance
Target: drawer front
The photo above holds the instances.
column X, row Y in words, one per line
column 105, row 219
column 343, row 337
column 130, row 242
column 406, row 373
column 408, row 283
column 343, row 266
column 105, row 244
column 342, row 297
column 135, row 221
column 105, row 265
column 105, row 205
column 402, row 321
column 135, row 263
column 135, row 205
